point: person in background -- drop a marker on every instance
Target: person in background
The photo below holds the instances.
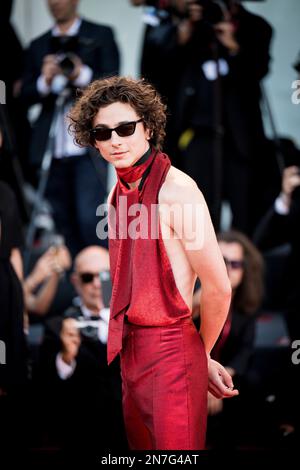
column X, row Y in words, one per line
column 279, row 226
column 13, row 360
column 73, row 369
column 40, row 286
column 61, row 61
column 218, row 111
column 234, row 347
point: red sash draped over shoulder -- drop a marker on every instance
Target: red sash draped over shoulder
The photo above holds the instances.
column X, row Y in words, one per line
column 144, row 287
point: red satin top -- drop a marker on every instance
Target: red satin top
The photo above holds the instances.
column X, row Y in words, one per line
column 144, row 287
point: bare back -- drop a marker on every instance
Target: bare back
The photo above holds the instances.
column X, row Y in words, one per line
column 183, row 272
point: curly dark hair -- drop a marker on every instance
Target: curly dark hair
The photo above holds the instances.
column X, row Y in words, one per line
column 249, row 294
column 139, row 94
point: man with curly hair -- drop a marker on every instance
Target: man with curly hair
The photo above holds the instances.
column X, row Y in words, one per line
column 161, row 240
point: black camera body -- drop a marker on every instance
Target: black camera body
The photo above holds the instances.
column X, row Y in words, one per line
column 64, row 48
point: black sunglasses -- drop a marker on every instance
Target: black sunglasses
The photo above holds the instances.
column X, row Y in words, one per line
column 123, row 130
column 234, row 263
column 86, row 278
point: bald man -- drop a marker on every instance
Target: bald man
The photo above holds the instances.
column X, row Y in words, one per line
column 78, row 367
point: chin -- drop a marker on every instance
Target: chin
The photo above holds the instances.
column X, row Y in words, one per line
column 126, row 163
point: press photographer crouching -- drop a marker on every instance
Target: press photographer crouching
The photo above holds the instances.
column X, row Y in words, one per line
column 82, row 391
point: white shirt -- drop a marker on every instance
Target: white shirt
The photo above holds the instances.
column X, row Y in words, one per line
column 64, row 145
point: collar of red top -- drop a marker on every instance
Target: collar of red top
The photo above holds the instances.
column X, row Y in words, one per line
column 135, row 172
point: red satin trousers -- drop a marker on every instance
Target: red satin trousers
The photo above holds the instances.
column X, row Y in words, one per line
column 164, row 374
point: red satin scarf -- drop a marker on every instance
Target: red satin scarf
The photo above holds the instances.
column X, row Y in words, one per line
column 135, row 172
column 121, row 245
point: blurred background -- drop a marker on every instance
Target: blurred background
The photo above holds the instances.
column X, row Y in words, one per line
column 229, row 73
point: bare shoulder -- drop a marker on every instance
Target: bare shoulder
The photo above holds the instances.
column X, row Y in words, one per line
column 178, row 187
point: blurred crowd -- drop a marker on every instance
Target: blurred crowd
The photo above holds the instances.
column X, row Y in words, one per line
column 207, row 59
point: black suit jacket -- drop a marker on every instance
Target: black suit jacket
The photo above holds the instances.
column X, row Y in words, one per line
column 97, row 49
column 90, row 398
column 275, row 230
column 237, row 350
column 240, row 88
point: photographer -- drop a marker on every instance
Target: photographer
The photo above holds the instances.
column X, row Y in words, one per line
column 68, row 57
column 220, row 106
column 162, row 57
column 282, row 225
column 73, row 367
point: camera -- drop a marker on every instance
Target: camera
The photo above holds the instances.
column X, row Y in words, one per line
column 213, row 11
column 297, row 64
column 155, row 3
column 64, row 48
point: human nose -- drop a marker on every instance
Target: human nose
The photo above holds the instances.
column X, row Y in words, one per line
column 97, row 281
column 115, row 138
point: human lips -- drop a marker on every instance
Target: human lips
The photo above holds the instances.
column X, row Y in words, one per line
column 119, row 154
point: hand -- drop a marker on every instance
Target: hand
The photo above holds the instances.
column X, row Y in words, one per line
column 71, row 340
column 44, row 267
column 290, row 181
column 220, row 383
column 214, row 405
column 50, row 68
column 61, row 258
column 225, row 34
column 77, row 66
column 53, row 262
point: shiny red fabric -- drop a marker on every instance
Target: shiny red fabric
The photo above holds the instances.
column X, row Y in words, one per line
column 163, row 361
column 164, row 376
column 134, row 173
column 143, row 283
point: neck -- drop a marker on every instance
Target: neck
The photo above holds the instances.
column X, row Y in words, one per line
column 66, row 24
column 134, row 184
column 94, row 309
column 140, row 161
column 134, row 174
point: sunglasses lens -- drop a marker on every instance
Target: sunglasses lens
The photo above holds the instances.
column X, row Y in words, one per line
column 126, row 129
column 86, row 277
column 234, row 264
column 101, row 134
column 237, row 264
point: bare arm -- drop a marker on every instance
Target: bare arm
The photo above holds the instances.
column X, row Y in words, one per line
column 195, row 229
column 46, row 274
column 191, row 223
column 40, row 303
column 17, row 263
